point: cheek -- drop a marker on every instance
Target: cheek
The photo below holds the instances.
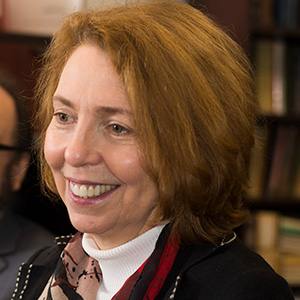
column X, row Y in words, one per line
column 130, row 169
column 53, row 150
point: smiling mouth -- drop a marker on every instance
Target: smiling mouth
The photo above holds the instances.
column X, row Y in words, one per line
column 90, row 191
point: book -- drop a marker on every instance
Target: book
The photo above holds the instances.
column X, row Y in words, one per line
column 261, row 12
column 295, row 184
column 274, row 13
column 277, row 161
column 292, row 78
column 263, row 65
column 279, row 100
column 270, row 60
column 277, row 239
column 283, row 174
column 266, row 230
column 286, row 13
column 287, row 169
column 258, row 166
column 290, row 268
column 277, row 66
column 295, row 79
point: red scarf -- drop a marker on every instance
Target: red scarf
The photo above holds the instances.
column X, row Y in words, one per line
column 152, row 274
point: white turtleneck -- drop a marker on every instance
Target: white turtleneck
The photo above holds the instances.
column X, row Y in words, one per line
column 119, row 263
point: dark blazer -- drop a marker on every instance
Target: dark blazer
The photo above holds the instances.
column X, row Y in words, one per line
column 228, row 271
column 20, row 238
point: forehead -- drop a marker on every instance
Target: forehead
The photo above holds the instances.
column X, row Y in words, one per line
column 90, row 74
column 7, row 115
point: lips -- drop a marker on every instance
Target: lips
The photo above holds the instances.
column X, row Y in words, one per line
column 90, row 191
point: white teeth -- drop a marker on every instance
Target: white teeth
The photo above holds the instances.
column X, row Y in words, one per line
column 97, row 190
column 102, row 189
column 90, row 192
column 84, row 191
column 75, row 189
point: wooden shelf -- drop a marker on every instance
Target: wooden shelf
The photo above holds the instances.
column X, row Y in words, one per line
column 286, row 204
column 282, row 120
column 277, row 32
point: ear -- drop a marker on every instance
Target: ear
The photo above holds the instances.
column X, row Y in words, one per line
column 19, row 170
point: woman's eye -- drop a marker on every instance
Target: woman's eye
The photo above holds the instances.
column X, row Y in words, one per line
column 63, row 118
column 118, row 129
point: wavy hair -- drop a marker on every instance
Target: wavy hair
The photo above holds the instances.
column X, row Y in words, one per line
column 190, row 88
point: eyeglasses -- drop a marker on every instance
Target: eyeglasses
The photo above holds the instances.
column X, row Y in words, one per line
column 10, row 148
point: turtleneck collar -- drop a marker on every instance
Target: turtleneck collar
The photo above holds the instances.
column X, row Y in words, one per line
column 119, row 263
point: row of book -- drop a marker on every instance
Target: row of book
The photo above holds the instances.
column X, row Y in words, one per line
column 275, row 166
column 277, row 65
column 275, row 13
column 277, row 239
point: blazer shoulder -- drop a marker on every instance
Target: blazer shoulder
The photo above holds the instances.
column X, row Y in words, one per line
column 35, row 273
column 233, row 272
column 48, row 254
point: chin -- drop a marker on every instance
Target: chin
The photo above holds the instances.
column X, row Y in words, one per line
column 88, row 223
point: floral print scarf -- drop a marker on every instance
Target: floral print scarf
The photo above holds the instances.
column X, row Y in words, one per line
column 78, row 276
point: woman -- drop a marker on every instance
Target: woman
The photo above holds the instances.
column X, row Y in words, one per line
column 147, row 117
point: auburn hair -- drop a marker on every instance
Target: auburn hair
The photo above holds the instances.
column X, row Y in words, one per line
column 190, row 88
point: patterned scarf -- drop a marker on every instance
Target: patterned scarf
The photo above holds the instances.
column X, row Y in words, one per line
column 78, row 276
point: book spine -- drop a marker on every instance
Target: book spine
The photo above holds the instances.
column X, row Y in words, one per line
column 278, row 77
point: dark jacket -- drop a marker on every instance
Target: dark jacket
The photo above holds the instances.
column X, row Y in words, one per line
column 20, row 238
column 229, row 271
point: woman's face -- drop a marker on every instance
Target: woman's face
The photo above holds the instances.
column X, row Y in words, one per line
column 92, row 150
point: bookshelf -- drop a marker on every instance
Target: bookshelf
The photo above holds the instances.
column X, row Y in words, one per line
column 274, row 195
column 275, row 52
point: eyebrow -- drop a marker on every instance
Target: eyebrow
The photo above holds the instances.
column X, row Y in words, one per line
column 100, row 110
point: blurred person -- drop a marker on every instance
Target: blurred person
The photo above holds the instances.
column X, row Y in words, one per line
column 147, row 116
column 19, row 237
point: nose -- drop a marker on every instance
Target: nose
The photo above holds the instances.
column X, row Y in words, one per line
column 82, row 149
